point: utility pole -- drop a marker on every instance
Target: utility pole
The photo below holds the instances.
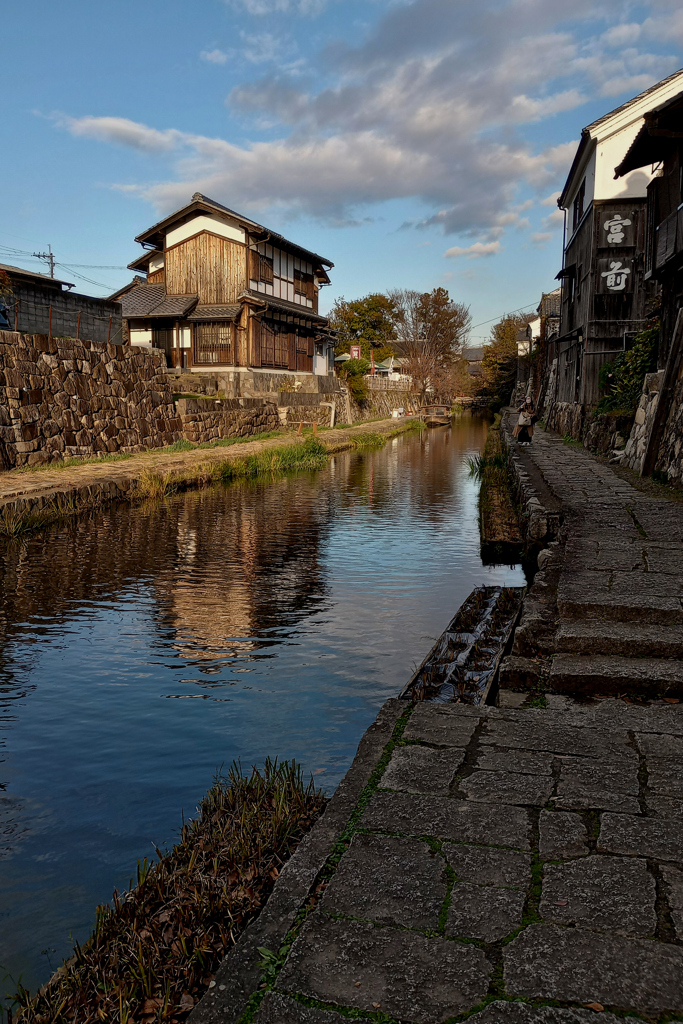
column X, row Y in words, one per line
column 49, row 256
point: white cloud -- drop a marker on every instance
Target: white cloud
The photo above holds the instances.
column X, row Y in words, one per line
column 551, row 200
column 214, row 56
column 430, row 104
column 475, row 251
column 541, row 238
column 554, row 220
column 123, row 132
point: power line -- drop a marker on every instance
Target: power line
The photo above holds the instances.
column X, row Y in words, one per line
column 521, row 308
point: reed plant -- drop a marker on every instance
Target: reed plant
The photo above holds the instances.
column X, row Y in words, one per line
column 155, row 948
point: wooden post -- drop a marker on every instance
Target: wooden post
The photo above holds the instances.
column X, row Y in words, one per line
column 301, row 426
column 315, row 428
column 109, row 331
column 78, row 326
column 16, row 315
column 673, row 365
column 49, row 331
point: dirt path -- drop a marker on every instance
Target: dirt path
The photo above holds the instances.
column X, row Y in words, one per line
column 98, row 481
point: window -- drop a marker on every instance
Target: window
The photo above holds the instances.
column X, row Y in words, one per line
column 303, row 284
column 213, row 343
column 274, row 343
column 265, row 269
column 578, row 205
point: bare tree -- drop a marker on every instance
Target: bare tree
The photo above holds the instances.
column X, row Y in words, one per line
column 431, row 329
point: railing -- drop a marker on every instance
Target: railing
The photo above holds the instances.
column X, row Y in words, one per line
column 378, row 383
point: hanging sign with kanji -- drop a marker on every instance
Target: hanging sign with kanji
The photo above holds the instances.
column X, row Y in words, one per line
column 616, row 229
column 614, row 276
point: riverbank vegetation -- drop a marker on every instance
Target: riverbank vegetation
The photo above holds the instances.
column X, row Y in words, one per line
column 498, row 516
column 310, row 453
column 154, row 950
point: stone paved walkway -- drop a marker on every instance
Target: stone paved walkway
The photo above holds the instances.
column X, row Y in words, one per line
column 524, row 864
column 620, row 577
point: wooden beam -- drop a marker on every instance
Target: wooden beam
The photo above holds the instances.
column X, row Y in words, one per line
column 666, row 391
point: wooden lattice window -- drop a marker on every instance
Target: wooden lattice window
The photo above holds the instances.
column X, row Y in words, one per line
column 274, row 344
column 213, row 343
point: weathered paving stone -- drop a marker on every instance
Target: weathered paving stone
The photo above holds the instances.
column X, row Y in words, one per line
column 556, row 738
column 585, row 784
column 279, row 1009
column 664, row 806
column 673, row 878
column 520, row 761
column 561, row 835
column 523, row 1013
column 508, row 788
column 486, row 865
column 643, row 837
column 484, row 912
column 401, row 973
column 610, row 893
column 389, row 880
column 665, row 777
column 577, row 965
column 416, row 769
column 660, row 746
column 431, row 725
column 462, row 821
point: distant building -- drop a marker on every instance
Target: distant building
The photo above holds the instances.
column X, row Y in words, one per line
column 222, row 292
column 38, row 304
column 604, row 285
column 473, row 358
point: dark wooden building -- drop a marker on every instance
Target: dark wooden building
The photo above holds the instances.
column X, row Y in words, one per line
column 37, row 304
column 605, row 286
column 660, row 143
column 222, row 292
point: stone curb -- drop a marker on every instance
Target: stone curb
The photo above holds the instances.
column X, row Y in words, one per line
column 542, row 514
column 238, row 976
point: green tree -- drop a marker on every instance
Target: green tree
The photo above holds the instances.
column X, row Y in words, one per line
column 499, row 362
column 368, row 322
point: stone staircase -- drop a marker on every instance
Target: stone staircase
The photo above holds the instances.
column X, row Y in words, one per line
column 605, row 612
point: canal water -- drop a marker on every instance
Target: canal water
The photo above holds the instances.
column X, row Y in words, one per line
column 143, row 648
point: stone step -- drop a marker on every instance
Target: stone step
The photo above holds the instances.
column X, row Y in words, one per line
column 628, row 639
column 620, row 597
column 601, row 674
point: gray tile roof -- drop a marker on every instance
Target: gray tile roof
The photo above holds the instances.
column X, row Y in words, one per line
column 38, row 277
column 282, row 306
column 152, row 300
column 215, row 312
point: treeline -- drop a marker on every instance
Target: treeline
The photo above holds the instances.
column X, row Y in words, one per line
column 427, row 334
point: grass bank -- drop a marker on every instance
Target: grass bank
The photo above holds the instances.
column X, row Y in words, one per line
column 154, row 951
column 497, row 514
column 146, row 482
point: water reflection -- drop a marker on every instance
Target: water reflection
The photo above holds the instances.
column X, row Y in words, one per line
column 142, row 648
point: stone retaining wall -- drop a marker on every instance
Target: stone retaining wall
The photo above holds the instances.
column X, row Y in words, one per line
column 209, row 420
column 540, row 516
column 60, row 397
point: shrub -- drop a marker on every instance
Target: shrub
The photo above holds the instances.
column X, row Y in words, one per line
column 622, row 379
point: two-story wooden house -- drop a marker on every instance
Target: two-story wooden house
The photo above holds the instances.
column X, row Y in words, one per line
column 221, row 292
column 605, row 288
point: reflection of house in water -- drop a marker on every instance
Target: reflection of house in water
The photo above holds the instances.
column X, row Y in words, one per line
column 248, row 563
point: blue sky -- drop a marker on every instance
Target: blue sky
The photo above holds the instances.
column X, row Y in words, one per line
column 415, row 143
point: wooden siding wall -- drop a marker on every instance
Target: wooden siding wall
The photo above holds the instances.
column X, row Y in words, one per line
column 665, row 244
column 158, row 277
column 206, row 265
column 601, row 318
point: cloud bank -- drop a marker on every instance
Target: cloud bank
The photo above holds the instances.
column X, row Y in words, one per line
column 432, row 105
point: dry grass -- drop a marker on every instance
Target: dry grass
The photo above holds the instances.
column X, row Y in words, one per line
column 155, row 950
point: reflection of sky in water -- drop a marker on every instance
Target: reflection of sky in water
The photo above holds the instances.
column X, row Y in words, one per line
column 144, row 648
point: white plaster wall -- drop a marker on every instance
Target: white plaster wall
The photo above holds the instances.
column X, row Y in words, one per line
column 140, row 336
column 184, row 336
column 610, row 153
column 156, row 263
column 206, row 222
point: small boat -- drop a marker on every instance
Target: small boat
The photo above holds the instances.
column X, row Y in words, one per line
column 436, row 415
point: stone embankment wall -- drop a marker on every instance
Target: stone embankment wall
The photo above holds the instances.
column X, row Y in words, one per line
column 209, row 420
column 60, row 398
column 670, row 459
